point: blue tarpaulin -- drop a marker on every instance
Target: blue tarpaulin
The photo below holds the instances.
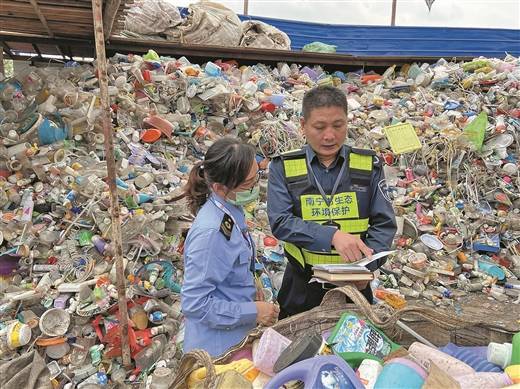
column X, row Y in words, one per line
column 401, row 41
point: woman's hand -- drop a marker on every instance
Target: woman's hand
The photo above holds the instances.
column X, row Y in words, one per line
column 266, row 313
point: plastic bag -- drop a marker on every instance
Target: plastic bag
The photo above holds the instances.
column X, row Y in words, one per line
column 319, row 47
column 264, row 36
column 208, row 24
column 152, row 17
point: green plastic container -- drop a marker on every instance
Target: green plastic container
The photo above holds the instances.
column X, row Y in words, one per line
column 515, row 356
column 355, row 339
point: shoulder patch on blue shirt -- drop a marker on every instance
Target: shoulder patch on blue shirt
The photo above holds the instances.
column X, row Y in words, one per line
column 226, row 227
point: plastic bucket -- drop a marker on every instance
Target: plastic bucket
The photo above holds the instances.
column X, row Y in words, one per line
column 55, row 322
column 49, row 132
column 18, row 335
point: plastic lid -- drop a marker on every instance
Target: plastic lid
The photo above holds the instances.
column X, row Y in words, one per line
column 150, row 135
column 432, row 241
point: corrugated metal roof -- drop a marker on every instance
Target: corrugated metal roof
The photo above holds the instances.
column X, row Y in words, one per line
column 401, row 41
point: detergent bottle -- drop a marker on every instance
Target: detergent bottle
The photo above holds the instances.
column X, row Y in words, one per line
column 355, row 339
column 321, row 372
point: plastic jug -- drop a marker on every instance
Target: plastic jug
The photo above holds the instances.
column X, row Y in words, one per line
column 500, row 353
column 424, row 354
column 484, row 380
column 401, row 373
column 473, row 356
column 268, row 350
column 321, row 372
column 355, row 339
column 151, row 354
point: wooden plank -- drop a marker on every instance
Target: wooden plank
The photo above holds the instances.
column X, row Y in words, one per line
column 55, row 13
column 34, row 4
column 111, row 170
column 109, row 16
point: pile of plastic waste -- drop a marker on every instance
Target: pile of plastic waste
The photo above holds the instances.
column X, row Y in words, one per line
column 457, row 197
column 357, row 354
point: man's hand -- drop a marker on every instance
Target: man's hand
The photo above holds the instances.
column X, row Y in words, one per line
column 266, row 313
column 350, row 247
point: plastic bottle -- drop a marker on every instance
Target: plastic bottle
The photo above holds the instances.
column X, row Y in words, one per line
column 368, row 372
column 474, row 356
column 319, row 372
column 269, row 348
column 424, row 354
column 484, row 380
column 151, row 354
column 27, row 206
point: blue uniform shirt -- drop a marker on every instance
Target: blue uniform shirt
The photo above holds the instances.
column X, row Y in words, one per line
column 218, row 292
column 313, row 236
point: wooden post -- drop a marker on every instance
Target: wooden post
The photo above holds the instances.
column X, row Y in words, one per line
column 246, row 7
column 394, row 8
column 2, row 62
column 111, row 170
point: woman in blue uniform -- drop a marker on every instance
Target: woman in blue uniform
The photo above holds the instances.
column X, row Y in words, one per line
column 219, row 291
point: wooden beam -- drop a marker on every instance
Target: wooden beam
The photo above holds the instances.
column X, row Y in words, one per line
column 35, row 47
column 111, row 170
column 109, row 16
column 7, row 50
column 41, row 16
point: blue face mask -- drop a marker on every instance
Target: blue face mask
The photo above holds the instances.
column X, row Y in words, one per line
column 245, row 197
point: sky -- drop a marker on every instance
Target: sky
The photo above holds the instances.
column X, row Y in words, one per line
column 444, row 13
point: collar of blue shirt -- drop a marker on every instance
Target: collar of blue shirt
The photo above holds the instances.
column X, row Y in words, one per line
column 235, row 211
column 311, row 156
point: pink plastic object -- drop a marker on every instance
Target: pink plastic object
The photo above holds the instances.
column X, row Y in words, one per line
column 269, row 349
column 425, row 354
column 484, row 380
column 161, row 124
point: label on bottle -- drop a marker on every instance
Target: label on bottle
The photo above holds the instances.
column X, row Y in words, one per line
column 332, row 377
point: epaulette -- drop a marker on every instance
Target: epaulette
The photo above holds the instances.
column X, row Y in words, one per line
column 226, row 226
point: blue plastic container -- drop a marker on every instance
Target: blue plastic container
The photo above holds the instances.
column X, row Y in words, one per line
column 401, row 373
column 49, row 132
column 321, row 372
column 476, row 357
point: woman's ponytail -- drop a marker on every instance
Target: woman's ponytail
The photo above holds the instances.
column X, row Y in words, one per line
column 196, row 190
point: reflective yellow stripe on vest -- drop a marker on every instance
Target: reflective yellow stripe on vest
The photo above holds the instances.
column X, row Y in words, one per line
column 295, row 167
column 360, row 162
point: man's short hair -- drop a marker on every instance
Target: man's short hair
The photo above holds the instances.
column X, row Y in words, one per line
column 323, row 96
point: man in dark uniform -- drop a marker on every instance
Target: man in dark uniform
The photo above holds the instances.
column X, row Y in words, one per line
column 325, row 202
